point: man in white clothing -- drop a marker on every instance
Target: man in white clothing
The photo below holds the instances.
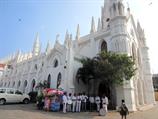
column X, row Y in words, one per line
column 105, row 103
column 74, row 101
column 69, row 102
column 97, row 101
column 64, row 102
column 78, row 106
column 91, row 100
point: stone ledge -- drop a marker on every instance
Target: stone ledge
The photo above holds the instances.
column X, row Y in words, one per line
column 145, row 107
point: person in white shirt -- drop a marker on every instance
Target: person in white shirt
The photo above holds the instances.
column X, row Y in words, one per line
column 69, row 102
column 91, row 100
column 78, row 106
column 84, row 102
column 105, row 103
column 97, row 101
column 74, row 101
column 64, row 102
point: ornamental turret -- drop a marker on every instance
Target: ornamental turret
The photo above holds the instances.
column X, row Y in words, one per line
column 36, row 46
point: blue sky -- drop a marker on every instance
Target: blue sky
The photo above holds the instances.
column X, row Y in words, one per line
column 20, row 20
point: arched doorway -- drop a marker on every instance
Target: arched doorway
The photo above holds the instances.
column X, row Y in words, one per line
column 33, row 85
column 49, row 81
column 58, row 80
column 104, row 89
column 110, row 92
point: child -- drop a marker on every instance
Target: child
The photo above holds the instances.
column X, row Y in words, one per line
column 123, row 110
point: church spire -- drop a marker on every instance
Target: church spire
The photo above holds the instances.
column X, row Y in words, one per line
column 36, row 46
column 99, row 25
column 92, row 26
column 66, row 38
column 78, row 32
column 48, row 48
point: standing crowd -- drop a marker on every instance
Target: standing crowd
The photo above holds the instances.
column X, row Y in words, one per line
column 81, row 102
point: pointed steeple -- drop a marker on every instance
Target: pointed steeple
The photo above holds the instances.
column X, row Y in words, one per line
column 138, row 25
column 99, row 25
column 66, row 38
column 70, row 40
column 36, row 46
column 78, row 32
column 48, row 48
column 57, row 39
column 92, row 26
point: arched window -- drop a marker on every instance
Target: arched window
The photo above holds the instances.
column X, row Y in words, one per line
column 19, row 83
column 104, row 46
column 13, row 84
column 5, row 84
column 36, row 66
column 49, row 81
column 58, row 80
column 8, row 83
column 33, row 84
column 55, row 63
column 25, row 85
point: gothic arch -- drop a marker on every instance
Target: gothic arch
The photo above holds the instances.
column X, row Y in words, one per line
column 59, row 80
column 13, row 84
column 25, row 85
column 103, row 46
column 55, row 63
column 33, row 83
column 8, row 83
column 18, row 84
column 49, row 81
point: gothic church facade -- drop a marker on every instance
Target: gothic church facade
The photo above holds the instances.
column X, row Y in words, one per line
column 116, row 31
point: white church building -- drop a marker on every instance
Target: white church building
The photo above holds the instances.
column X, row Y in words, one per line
column 116, row 31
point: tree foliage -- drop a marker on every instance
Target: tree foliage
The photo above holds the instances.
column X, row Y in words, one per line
column 86, row 72
column 111, row 67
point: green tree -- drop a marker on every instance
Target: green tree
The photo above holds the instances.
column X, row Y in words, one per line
column 108, row 67
column 114, row 68
column 86, row 72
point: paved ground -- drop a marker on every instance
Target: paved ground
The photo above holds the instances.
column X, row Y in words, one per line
column 20, row 111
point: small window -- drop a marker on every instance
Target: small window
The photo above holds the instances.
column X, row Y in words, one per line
column 18, row 92
column 36, row 66
column 8, row 84
column 55, row 63
column 2, row 90
column 104, row 46
column 10, row 91
column 13, row 83
column 18, row 84
column 42, row 64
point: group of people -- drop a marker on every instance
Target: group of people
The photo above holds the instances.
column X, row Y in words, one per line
column 79, row 102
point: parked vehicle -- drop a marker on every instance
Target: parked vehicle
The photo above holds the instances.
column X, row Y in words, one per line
column 10, row 95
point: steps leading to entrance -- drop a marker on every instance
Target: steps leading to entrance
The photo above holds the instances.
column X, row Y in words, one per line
column 145, row 107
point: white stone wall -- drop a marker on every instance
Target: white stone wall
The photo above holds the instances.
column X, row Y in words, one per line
column 121, row 35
